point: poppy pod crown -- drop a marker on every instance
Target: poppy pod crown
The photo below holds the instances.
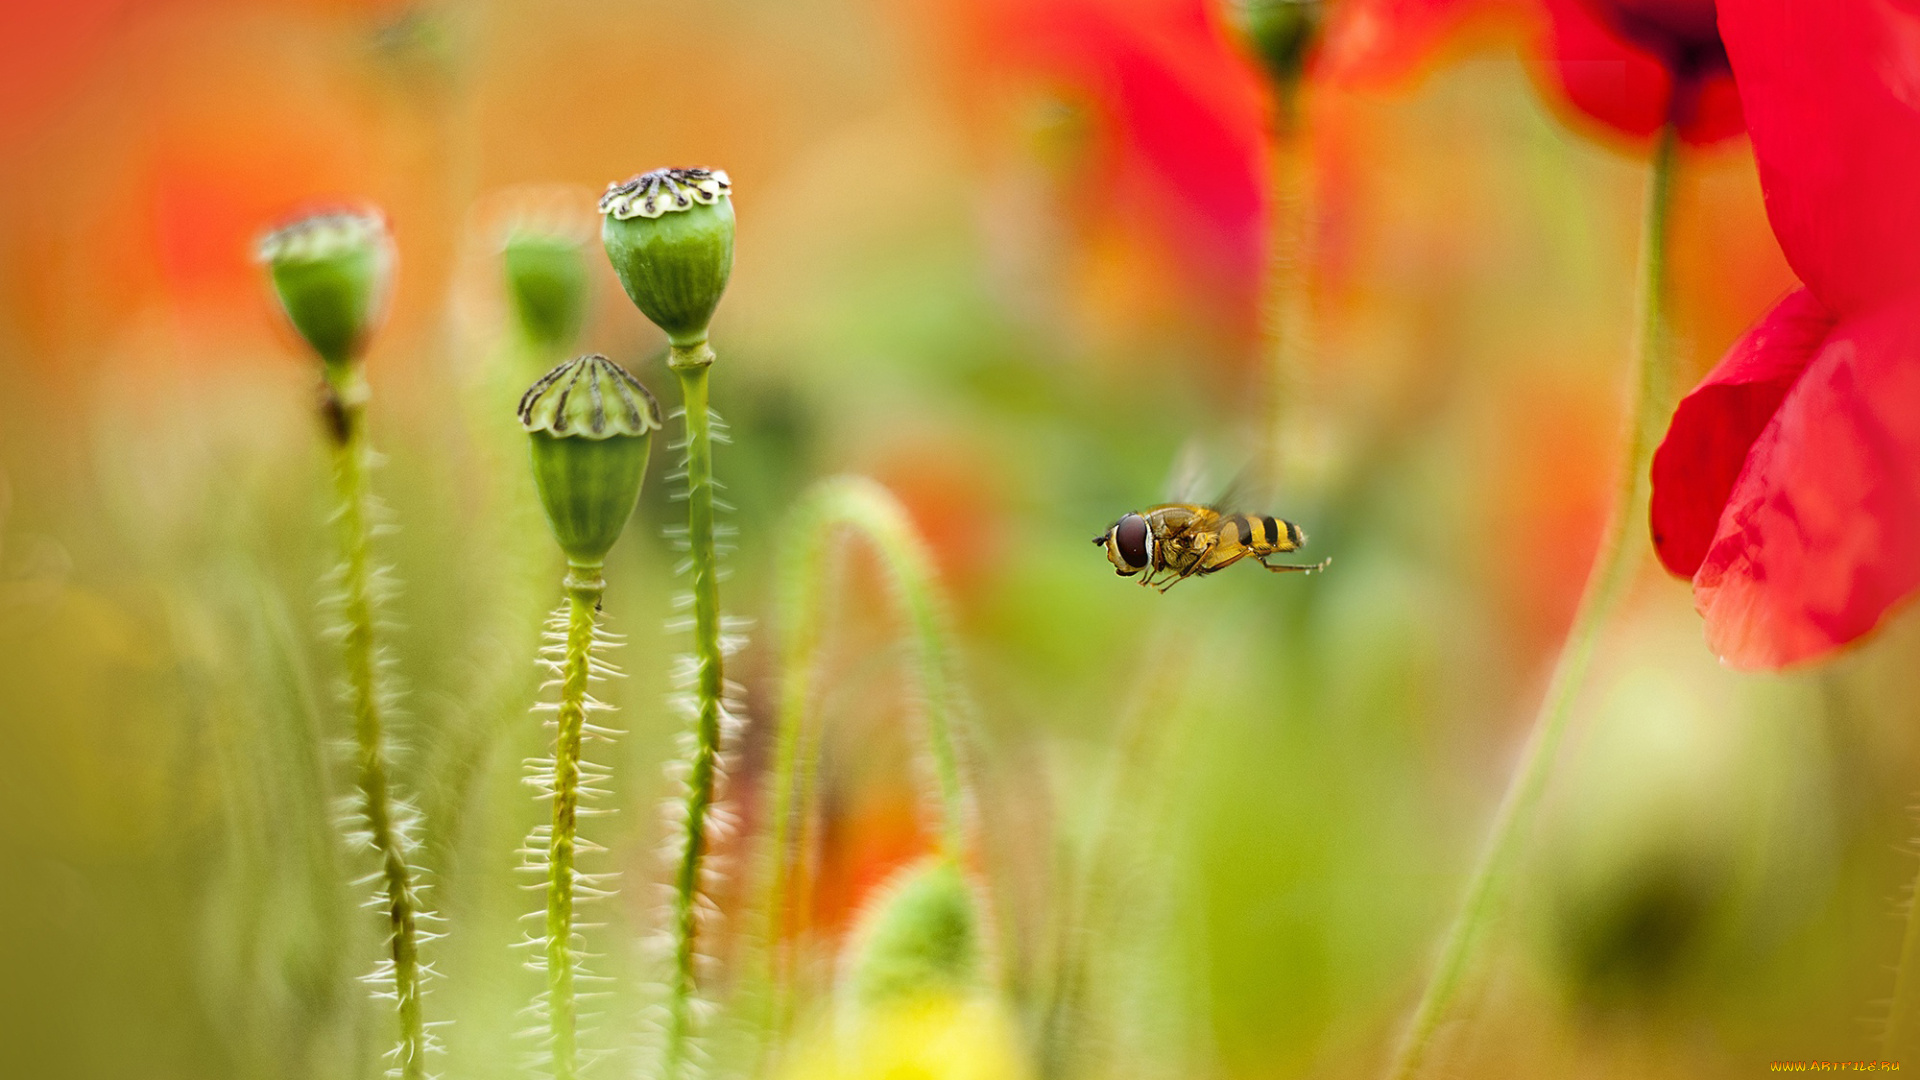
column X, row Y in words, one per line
column 331, row 272
column 591, row 428
column 669, row 235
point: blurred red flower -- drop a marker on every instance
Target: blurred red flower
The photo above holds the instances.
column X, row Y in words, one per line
column 1634, row 64
column 1630, row 64
column 1788, row 486
column 1179, row 126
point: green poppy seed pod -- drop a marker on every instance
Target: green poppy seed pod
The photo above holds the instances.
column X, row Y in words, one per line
column 591, row 426
column 547, row 282
column 669, row 235
column 332, row 272
column 1281, row 34
column 920, row 939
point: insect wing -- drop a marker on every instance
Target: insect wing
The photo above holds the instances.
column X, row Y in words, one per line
column 1193, row 482
column 1188, row 478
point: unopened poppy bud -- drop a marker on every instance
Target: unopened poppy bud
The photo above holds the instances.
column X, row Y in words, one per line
column 1281, row 33
column 920, row 939
column 591, row 426
column 547, row 282
column 669, row 235
column 332, row 272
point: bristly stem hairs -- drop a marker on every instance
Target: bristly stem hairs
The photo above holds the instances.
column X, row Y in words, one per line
column 590, row 427
column 1613, row 567
column 331, row 273
column 669, row 235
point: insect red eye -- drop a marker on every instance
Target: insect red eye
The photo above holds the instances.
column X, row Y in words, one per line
column 1130, row 535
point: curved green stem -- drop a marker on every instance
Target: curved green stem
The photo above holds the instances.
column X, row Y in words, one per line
column 584, row 589
column 691, row 364
column 346, row 416
column 867, row 508
column 1613, row 567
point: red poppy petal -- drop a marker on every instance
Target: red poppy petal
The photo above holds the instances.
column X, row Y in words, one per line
column 1821, row 535
column 1601, row 73
column 1187, row 114
column 1831, row 90
column 1706, row 445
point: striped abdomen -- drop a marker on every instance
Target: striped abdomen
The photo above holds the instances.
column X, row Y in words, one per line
column 1261, row 535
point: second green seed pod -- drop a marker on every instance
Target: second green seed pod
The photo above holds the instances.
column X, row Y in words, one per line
column 331, row 272
column 591, row 427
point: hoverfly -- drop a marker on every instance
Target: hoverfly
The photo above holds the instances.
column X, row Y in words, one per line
column 1191, row 540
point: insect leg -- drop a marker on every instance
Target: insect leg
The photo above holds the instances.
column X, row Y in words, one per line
column 1281, row 568
column 1226, row 562
column 1191, row 569
column 1171, row 583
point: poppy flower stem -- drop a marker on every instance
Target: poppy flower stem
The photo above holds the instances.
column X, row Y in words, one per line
column 1612, row 569
column 864, row 507
column 1906, row 984
column 1292, row 431
column 584, row 589
column 590, row 429
column 378, row 825
column 691, row 364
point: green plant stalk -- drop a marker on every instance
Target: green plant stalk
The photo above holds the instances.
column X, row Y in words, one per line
column 690, row 364
column 346, row 416
column 1292, row 414
column 867, row 508
column 1906, row 984
column 1162, row 678
column 1613, row 568
column 584, row 589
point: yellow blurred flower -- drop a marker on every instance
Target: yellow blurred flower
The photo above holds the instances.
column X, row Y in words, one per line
column 934, row 1038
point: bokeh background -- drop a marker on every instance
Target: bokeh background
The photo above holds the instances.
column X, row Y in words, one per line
column 1008, row 257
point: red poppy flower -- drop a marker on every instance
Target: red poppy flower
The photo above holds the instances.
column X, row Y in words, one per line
column 1630, row 64
column 1178, row 125
column 1788, row 486
column 1633, row 64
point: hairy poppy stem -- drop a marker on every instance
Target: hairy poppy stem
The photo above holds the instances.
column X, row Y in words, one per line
column 691, row 365
column 584, row 589
column 669, row 235
column 590, row 428
column 1906, row 984
column 345, row 408
column 866, row 508
column 1613, row 566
